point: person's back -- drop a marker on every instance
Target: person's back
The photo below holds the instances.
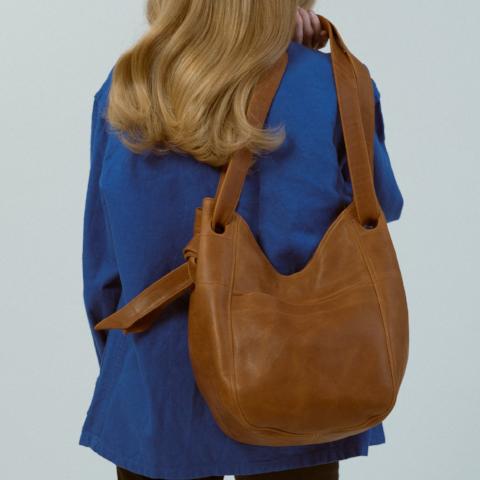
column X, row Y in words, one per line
column 147, row 414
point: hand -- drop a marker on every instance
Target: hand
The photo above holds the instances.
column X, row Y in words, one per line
column 308, row 30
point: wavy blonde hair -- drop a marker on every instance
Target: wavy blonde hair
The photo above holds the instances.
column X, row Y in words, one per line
column 185, row 85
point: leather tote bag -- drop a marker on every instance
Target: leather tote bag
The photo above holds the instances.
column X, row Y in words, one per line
column 297, row 359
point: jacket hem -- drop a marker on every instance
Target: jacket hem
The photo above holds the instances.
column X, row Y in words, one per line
column 331, row 453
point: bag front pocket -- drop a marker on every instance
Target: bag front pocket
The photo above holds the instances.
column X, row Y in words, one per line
column 302, row 367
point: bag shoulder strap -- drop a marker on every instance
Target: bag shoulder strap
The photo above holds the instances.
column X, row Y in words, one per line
column 357, row 113
column 232, row 176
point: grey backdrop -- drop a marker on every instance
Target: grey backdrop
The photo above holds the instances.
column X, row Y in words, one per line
column 55, row 54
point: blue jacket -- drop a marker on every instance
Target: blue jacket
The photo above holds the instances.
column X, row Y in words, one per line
column 146, row 414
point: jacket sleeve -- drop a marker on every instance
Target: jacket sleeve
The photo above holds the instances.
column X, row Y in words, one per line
column 101, row 280
column 386, row 186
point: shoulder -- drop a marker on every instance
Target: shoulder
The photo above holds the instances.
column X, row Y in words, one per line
column 305, row 57
column 103, row 133
column 101, row 95
column 309, row 77
column 100, row 104
column 302, row 56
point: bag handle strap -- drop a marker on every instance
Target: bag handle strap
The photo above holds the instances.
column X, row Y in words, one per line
column 232, row 175
column 356, row 106
column 357, row 109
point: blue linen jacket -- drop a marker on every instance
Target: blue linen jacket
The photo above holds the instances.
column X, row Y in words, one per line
column 146, row 414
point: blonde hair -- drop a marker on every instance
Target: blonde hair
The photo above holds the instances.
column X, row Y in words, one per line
column 185, row 85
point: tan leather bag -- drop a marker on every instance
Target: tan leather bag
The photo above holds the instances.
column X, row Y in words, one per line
column 296, row 359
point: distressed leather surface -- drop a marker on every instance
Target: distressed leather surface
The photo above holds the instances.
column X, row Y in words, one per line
column 297, row 359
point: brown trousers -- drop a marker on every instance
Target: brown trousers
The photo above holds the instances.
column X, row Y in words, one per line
column 328, row 471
